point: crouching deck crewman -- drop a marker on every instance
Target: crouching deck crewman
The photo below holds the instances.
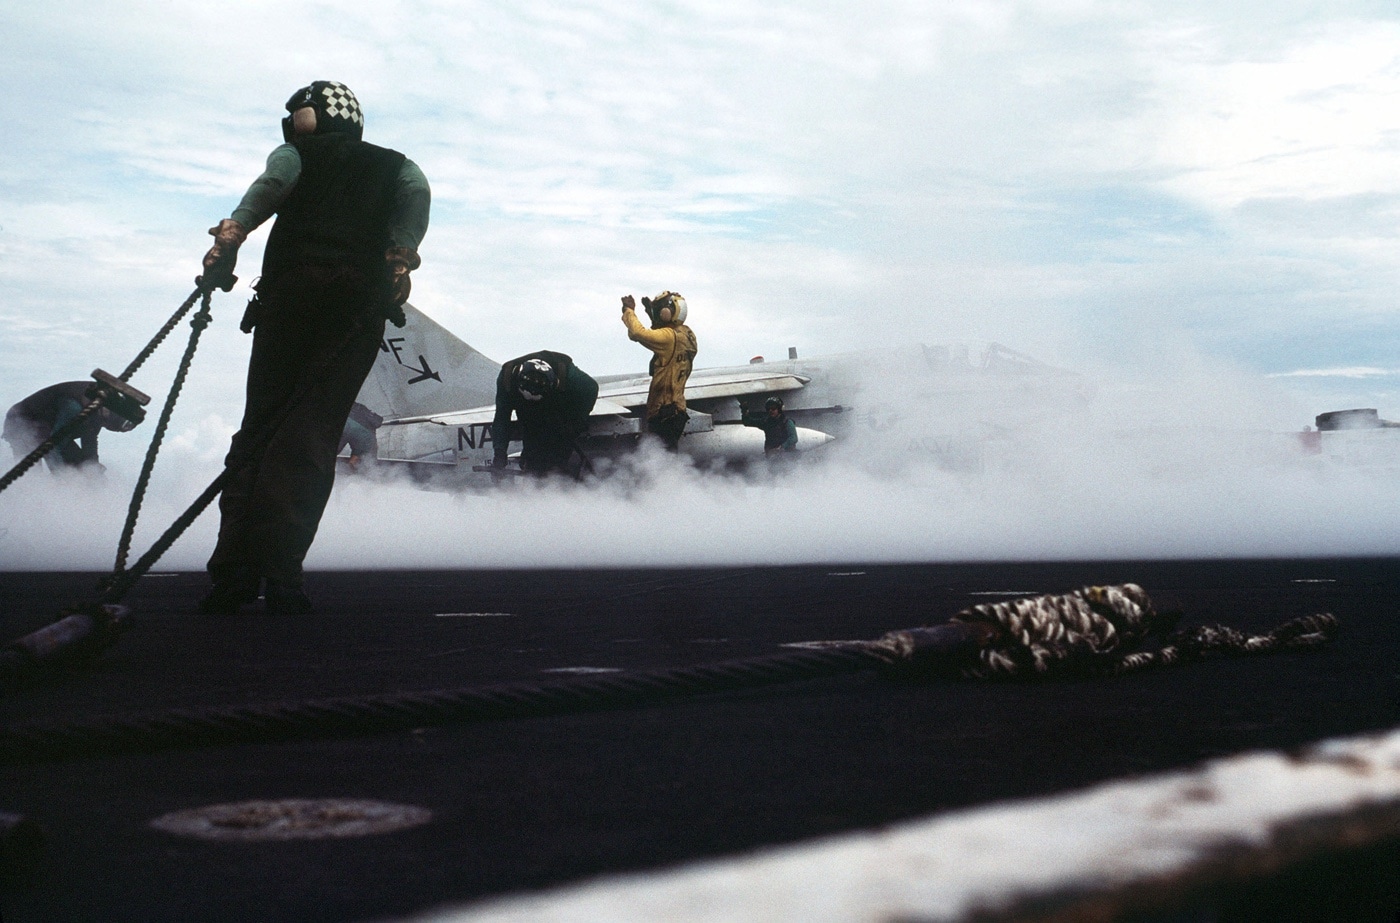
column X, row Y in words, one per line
column 40, row 415
column 552, row 398
column 350, row 217
column 361, row 435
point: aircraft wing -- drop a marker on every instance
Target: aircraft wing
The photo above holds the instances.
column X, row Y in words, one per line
column 632, row 392
column 478, row 415
column 624, row 396
column 456, row 418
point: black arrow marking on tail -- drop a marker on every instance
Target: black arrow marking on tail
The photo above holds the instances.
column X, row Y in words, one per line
column 424, row 373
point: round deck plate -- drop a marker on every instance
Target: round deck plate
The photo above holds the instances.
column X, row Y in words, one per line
column 292, row 819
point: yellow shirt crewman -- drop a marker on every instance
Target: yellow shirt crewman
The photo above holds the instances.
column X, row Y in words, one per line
column 673, row 350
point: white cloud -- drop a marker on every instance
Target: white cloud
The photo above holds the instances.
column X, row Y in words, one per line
column 1316, row 118
column 1351, row 372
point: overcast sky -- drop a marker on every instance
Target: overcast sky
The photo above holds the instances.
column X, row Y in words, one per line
column 1073, row 179
column 1105, row 186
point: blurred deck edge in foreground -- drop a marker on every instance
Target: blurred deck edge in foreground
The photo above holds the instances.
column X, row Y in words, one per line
column 1143, row 849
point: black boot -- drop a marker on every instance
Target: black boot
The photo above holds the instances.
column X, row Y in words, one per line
column 227, row 596
column 286, row 598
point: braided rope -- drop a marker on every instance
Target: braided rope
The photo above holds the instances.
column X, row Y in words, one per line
column 200, row 321
column 1101, row 630
column 163, row 332
column 1222, row 641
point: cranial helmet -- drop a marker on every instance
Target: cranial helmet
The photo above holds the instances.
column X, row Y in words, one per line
column 337, row 109
column 534, row 378
column 773, row 403
column 665, row 309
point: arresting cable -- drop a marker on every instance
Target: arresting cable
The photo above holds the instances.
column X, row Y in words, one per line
column 1099, row 631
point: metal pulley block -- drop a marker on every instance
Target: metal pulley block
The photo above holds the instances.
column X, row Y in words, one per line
column 119, row 397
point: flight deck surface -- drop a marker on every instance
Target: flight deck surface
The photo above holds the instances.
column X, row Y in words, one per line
column 532, row 802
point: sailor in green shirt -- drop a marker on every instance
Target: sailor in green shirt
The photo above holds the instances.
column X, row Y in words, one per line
column 779, row 431
column 350, row 217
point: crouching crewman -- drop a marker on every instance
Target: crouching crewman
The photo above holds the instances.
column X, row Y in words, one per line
column 552, row 398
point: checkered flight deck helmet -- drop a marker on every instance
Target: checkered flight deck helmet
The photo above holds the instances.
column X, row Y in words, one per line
column 337, row 109
column 534, row 378
column 666, row 308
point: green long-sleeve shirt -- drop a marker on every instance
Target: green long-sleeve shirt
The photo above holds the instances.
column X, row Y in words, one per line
column 412, row 198
column 779, row 432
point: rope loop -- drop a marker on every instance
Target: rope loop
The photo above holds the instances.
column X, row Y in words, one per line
column 1109, row 630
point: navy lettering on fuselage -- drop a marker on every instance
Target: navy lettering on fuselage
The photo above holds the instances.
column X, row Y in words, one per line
column 474, row 436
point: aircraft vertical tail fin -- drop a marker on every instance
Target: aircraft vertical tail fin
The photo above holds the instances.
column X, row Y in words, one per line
column 424, row 369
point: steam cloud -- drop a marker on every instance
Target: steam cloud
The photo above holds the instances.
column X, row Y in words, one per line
column 1186, row 469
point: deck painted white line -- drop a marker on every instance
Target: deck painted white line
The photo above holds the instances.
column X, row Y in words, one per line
column 582, row 670
column 1105, row 843
column 474, row 615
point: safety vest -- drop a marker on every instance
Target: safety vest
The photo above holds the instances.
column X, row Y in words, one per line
column 338, row 213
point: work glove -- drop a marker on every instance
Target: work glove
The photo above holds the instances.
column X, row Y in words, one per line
column 400, row 261
column 219, row 261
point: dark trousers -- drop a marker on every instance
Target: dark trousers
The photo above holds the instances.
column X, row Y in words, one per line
column 271, row 508
column 546, row 441
column 669, row 423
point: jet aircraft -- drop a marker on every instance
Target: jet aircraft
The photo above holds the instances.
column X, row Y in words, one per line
column 437, row 397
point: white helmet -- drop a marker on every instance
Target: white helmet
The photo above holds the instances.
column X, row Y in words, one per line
column 665, row 309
